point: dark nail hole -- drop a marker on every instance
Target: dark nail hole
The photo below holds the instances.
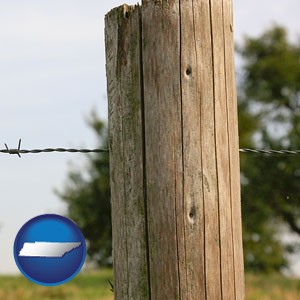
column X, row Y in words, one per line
column 126, row 14
column 191, row 215
column 188, row 71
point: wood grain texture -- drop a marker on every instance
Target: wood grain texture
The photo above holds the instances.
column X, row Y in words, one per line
column 126, row 153
column 174, row 151
column 222, row 148
column 200, row 200
column 116, row 159
column 162, row 100
column 201, row 28
column 234, row 150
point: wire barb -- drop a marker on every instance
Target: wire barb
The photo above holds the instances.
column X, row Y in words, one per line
column 13, row 151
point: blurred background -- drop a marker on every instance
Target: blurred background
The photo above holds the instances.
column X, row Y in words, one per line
column 53, row 94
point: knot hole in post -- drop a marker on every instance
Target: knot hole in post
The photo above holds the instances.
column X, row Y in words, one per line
column 192, row 215
column 188, row 71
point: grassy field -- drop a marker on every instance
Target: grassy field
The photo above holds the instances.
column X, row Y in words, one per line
column 94, row 285
column 271, row 287
column 85, row 286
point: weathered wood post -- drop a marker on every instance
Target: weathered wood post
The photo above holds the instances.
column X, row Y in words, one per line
column 174, row 151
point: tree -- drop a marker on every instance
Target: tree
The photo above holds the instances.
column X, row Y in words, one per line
column 87, row 195
column 269, row 103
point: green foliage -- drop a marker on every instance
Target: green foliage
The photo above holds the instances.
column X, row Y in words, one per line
column 269, row 118
column 87, row 194
column 272, row 68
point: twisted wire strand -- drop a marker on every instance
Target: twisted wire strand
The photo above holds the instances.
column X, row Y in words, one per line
column 47, row 150
column 72, row 150
column 270, row 151
column 19, row 151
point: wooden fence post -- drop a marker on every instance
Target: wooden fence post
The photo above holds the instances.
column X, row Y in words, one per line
column 174, row 157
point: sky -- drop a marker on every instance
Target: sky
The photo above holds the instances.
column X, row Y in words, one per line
column 52, row 75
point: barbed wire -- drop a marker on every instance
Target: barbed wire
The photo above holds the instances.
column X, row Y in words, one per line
column 18, row 151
